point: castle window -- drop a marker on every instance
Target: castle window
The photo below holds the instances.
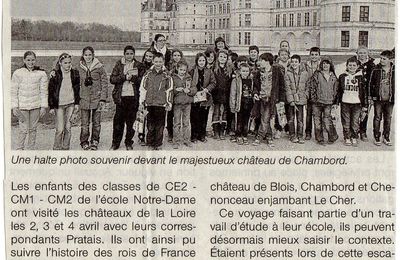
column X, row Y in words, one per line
column 284, row 20
column 228, row 23
column 364, row 13
column 278, row 4
column 220, row 8
column 363, row 38
column 298, row 19
column 299, row 3
column 247, row 20
column 315, row 18
column 291, row 3
column 247, row 38
column 346, row 14
column 307, row 3
column 240, row 20
column 277, row 20
column 345, row 40
column 228, row 8
column 291, row 20
column 307, row 19
column 240, row 38
column 247, row 4
column 284, row 3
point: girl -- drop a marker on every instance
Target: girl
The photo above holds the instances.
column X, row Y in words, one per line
column 64, row 99
column 204, row 80
column 177, row 56
column 220, row 94
column 147, row 60
column 93, row 94
column 322, row 93
column 220, row 44
column 28, row 99
column 210, row 55
column 159, row 45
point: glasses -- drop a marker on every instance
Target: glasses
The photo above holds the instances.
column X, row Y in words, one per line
column 161, row 40
column 64, row 56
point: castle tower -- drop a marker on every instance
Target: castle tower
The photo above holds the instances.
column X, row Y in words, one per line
column 345, row 25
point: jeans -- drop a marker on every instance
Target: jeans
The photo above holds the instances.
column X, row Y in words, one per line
column 86, row 116
column 170, row 122
column 219, row 114
column 323, row 111
column 155, row 126
column 309, row 118
column 63, row 127
column 28, row 121
column 298, row 116
column 265, row 129
column 350, row 114
column 243, row 116
column 182, row 123
column 382, row 109
column 125, row 114
column 198, row 121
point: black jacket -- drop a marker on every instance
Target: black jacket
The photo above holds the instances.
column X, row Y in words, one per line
column 375, row 83
column 362, row 89
column 118, row 78
column 55, row 86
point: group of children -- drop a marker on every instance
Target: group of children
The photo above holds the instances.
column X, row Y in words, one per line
column 244, row 92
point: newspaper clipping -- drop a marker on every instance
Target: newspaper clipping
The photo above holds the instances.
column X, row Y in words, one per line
column 182, row 129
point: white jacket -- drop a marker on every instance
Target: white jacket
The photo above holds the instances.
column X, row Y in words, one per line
column 29, row 89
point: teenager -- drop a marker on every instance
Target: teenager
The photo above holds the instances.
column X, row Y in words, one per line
column 159, row 45
column 28, row 99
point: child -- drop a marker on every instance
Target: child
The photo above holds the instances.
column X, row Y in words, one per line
column 184, row 90
column 253, row 57
column 126, row 76
column 64, row 99
column 156, row 96
column 177, row 56
column 159, row 45
column 204, row 80
column 382, row 90
column 352, row 96
column 220, row 94
column 270, row 92
column 93, row 94
column 322, row 93
column 296, row 97
column 147, row 59
column 28, row 99
column 311, row 66
column 220, row 44
column 241, row 102
column 367, row 65
column 210, row 55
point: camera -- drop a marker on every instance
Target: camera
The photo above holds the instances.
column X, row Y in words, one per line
column 88, row 81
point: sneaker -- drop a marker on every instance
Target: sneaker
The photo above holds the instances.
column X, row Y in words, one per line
column 322, row 143
column 347, row 142
column 156, row 148
column 114, row 147
column 94, row 146
column 354, row 142
column 233, row 139
column 175, row 146
column 129, row 147
column 194, row 141
column 256, row 142
column 142, row 142
column 245, row 141
column 301, row 140
column 363, row 137
column 85, row 146
column 270, row 143
column 278, row 134
column 188, row 144
column 308, row 137
column 294, row 139
column 387, row 141
column 203, row 140
column 377, row 141
column 240, row 141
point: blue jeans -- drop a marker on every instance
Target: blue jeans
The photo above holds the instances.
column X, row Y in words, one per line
column 86, row 116
column 383, row 110
column 182, row 123
column 63, row 127
column 323, row 111
column 350, row 114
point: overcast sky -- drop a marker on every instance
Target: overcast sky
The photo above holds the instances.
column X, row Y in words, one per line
column 122, row 13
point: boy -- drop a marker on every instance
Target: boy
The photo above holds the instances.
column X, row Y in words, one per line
column 382, row 93
column 155, row 94
column 184, row 91
column 296, row 97
column 282, row 63
column 352, row 97
column 241, row 102
column 253, row 57
column 311, row 66
column 367, row 65
column 269, row 83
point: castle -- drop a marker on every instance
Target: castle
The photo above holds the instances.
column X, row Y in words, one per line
column 333, row 25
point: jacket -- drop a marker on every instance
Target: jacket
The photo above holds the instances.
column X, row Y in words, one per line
column 209, row 83
column 98, row 91
column 181, row 97
column 236, row 93
column 367, row 68
column 118, row 78
column 375, row 83
column 156, row 89
column 296, row 89
column 220, row 93
column 362, row 90
column 29, row 89
column 321, row 90
column 55, row 85
column 167, row 55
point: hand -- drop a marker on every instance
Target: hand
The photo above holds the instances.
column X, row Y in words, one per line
column 365, row 109
column 52, row 73
column 206, row 91
column 292, row 104
column 179, row 89
column 52, row 112
column 128, row 77
column 168, row 107
column 76, row 108
column 256, row 97
column 42, row 112
column 186, row 90
column 17, row 112
column 134, row 72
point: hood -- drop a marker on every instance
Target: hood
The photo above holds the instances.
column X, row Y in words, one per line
column 358, row 73
column 95, row 64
